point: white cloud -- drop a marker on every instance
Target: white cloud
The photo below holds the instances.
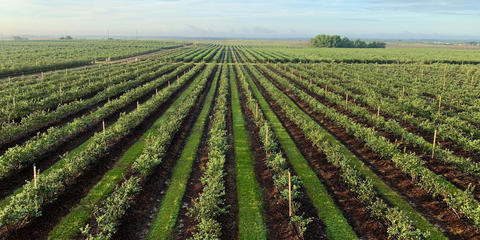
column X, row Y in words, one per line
column 209, row 18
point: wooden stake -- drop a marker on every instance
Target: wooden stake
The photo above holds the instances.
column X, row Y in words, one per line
column 169, row 83
column 434, row 142
column 346, row 101
column 35, row 179
column 266, row 137
column 34, row 176
column 103, row 126
column 156, row 91
column 403, row 91
column 378, row 112
column 289, row 194
column 138, row 104
column 471, row 82
column 439, row 101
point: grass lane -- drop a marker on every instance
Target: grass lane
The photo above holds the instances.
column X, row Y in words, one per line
column 166, row 219
column 250, row 219
column 327, row 210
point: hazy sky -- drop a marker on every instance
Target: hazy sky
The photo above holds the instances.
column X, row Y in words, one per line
column 243, row 18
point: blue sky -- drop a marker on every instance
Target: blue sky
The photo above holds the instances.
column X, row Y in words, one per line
column 244, row 18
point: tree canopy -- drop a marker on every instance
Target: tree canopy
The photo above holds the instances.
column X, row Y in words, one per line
column 335, row 41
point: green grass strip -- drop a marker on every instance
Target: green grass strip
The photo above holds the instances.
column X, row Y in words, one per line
column 383, row 189
column 336, row 224
column 250, row 221
column 164, row 223
column 70, row 225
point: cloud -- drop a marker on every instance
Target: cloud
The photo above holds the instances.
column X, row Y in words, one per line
column 267, row 18
column 441, row 7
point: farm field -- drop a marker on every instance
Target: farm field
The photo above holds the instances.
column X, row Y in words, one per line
column 23, row 57
column 238, row 140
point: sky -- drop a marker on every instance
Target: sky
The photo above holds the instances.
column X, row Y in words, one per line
column 383, row 19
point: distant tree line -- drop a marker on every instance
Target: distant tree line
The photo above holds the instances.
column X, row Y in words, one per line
column 335, row 41
column 18, row 38
column 474, row 43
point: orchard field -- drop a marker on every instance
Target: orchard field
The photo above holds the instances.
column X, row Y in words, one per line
column 238, row 140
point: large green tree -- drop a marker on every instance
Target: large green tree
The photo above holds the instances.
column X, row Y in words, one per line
column 336, row 41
